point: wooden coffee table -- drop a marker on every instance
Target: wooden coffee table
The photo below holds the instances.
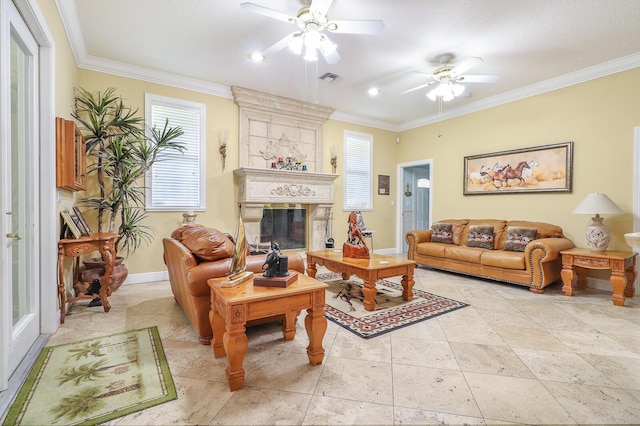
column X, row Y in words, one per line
column 369, row 270
column 232, row 307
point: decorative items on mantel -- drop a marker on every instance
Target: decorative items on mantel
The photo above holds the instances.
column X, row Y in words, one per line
column 273, row 127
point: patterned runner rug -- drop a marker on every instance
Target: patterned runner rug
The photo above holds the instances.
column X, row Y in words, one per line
column 344, row 306
column 94, row 381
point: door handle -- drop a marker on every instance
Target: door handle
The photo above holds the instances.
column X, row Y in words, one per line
column 14, row 236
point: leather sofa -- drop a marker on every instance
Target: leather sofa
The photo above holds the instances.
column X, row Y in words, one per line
column 194, row 254
column 518, row 252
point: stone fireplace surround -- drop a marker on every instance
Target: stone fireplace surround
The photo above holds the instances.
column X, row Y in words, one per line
column 271, row 127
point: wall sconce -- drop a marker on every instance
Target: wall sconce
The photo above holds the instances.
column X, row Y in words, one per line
column 223, row 135
column 334, row 159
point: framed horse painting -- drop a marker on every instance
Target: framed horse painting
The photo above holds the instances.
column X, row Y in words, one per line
column 545, row 168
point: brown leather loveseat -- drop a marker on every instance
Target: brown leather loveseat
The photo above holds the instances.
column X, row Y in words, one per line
column 519, row 252
column 193, row 255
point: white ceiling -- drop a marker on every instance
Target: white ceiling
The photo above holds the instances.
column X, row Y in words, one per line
column 533, row 45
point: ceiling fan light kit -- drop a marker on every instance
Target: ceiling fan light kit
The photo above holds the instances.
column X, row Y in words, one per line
column 446, row 90
column 312, row 22
column 448, row 78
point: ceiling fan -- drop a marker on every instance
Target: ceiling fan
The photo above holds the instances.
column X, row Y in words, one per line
column 312, row 21
column 448, row 78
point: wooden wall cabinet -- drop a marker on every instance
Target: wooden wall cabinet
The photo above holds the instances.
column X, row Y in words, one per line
column 71, row 157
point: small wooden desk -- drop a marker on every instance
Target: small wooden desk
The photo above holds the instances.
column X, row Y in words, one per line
column 621, row 263
column 104, row 242
column 369, row 270
column 232, row 307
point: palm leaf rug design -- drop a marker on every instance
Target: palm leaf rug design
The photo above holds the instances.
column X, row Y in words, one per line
column 94, row 381
column 344, row 306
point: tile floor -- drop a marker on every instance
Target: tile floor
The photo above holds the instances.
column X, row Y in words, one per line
column 511, row 357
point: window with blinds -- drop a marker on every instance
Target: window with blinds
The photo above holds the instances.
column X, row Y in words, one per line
column 358, row 163
column 176, row 182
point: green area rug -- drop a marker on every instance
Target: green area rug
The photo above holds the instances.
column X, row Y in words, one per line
column 344, row 306
column 94, row 381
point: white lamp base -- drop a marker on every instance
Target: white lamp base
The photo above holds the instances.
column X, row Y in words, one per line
column 598, row 234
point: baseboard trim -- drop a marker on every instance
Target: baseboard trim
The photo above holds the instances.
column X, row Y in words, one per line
column 146, row 277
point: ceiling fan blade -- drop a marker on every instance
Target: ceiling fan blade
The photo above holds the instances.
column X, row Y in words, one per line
column 356, row 27
column 478, row 78
column 261, row 10
column 465, row 66
column 279, row 45
column 418, row 87
column 332, row 57
column 320, row 7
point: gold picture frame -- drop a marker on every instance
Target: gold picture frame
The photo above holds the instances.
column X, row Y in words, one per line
column 87, row 230
column 71, row 224
column 546, row 168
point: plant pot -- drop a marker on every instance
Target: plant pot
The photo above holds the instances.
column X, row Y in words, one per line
column 95, row 269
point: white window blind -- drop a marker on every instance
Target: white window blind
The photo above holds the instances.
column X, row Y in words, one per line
column 358, row 160
column 176, row 181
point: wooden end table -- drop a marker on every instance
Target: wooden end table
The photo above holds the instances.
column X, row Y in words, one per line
column 232, row 307
column 369, row 270
column 104, row 242
column 621, row 263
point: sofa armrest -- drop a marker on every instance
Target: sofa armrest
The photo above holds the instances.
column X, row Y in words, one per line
column 540, row 259
column 546, row 249
column 413, row 238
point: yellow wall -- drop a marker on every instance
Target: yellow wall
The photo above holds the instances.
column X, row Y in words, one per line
column 603, row 149
column 598, row 116
column 221, row 212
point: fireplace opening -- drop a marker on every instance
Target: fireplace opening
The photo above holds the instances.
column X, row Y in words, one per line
column 286, row 226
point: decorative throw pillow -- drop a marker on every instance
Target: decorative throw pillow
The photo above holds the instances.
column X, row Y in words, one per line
column 518, row 238
column 480, row 236
column 205, row 243
column 442, row 233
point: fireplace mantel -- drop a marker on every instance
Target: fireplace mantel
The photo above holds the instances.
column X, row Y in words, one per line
column 284, row 186
column 260, row 187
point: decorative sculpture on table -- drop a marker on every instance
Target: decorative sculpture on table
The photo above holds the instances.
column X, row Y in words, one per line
column 238, row 271
column 276, row 265
column 355, row 247
column 275, row 270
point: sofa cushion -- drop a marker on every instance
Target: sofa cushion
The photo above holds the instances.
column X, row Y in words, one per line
column 205, row 243
column 431, row 249
column 442, row 233
column 517, row 238
column 544, row 230
column 480, row 236
column 463, row 254
column 457, row 228
column 503, row 259
column 499, row 226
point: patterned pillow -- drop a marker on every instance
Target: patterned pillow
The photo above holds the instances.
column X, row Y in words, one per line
column 480, row 236
column 518, row 238
column 442, row 233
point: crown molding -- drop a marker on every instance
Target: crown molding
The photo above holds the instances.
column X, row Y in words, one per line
column 364, row 121
column 71, row 23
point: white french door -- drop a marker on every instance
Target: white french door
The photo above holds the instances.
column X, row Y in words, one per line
column 19, row 180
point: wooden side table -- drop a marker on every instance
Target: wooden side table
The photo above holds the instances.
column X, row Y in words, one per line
column 232, row 307
column 105, row 243
column 621, row 263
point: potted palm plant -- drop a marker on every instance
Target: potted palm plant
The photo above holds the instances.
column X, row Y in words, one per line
column 120, row 152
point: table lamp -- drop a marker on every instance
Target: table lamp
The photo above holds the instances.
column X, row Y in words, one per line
column 597, row 233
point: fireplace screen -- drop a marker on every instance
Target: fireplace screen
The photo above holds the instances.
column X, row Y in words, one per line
column 285, row 226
